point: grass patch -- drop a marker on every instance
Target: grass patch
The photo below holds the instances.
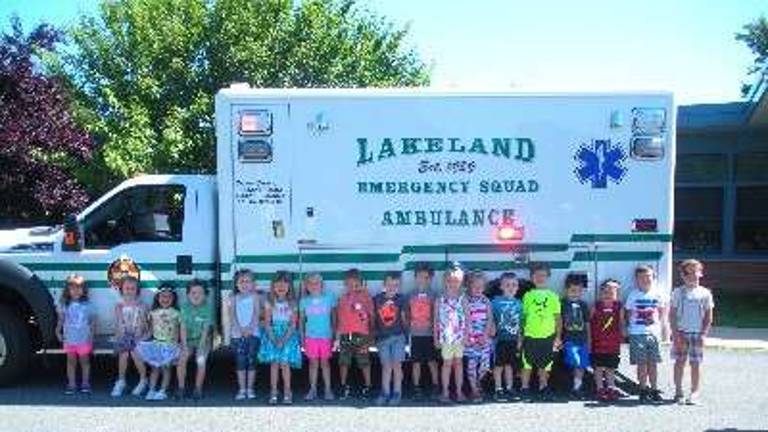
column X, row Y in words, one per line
column 741, row 310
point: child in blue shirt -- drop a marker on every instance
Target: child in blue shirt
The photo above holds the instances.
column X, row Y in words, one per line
column 507, row 310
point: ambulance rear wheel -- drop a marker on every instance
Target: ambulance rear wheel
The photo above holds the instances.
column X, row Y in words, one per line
column 15, row 346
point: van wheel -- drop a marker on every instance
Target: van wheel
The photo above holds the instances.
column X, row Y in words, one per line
column 15, row 347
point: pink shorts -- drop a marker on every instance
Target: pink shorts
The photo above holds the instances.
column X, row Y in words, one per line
column 317, row 348
column 82, row 349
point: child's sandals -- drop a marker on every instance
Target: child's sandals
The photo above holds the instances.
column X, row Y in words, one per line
column 311, row 395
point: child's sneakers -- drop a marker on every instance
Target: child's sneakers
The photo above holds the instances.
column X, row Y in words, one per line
column 477, row 397
column 654, row 396
column 241, row 395
column 644, row 395
column 381, row 400
column 512, row 395
column 526, row 395
column 693, row 399
column 180, row 394
column 140, row 387
column 365, row 393
column 460, row 398
column 118, row 388
column 328, row 396
column 85, row 389
column 395, row 399
column 418, row 393
column 499, row 395
column 311, row 395
column 346, row 392
column 250, row 394
column 158, row 395
column 547, row 395
column 613, row 393
column 197, row 395
column 70, row 390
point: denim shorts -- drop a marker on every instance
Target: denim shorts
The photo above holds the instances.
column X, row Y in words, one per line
column 391, row 349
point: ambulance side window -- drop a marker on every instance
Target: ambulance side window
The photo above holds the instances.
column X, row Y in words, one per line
column 152, row 213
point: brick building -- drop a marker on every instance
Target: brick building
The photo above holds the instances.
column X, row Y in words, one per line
column 721, row 192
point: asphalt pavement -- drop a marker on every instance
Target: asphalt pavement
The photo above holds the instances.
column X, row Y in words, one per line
column 733, row 399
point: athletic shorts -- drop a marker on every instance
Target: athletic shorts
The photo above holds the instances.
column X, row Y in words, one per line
column 538, row 353
column 317, row 348
column 423, row 349
column 604, row 360
column 452, row 351
column 355, row 346
column 575, row 355
column 691, row 347
column 246, row 350
column 644, row 349
column 505, row 353
column 81, row 349
column 391, row 349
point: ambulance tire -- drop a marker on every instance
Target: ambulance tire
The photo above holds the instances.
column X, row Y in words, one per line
column 15, row 347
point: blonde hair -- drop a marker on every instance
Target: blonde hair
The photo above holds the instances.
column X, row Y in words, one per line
column 312, row 276
column 687, row 264
column 454, row 270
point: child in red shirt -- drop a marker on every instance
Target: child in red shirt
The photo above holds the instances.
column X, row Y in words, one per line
column 353, row 332
column 606, row 324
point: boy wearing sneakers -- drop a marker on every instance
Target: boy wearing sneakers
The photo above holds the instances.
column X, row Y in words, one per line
column 575, row 313
column 390, row 325
column 507, row 310
column 646, row 309
column 354, row 330
column 542, row 326
column 421, row 315
column 690, row 319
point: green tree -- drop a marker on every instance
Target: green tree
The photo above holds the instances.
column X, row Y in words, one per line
column 755, row 36
column 146, row 71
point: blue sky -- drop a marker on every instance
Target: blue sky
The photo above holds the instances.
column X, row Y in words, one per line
column 686, row 46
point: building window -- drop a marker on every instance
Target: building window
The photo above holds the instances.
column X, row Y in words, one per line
column 751, row 219
column 698, row 220
column 751, row 167
column 701, row 168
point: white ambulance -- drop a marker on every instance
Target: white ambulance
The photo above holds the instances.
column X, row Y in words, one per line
column 326, row 180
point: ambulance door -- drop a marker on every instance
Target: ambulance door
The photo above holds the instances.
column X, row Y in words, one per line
column 263, row 158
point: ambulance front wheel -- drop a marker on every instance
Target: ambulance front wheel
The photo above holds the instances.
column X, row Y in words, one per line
column 15, row 347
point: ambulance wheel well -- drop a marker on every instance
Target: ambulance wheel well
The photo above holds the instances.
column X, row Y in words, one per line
column 25, row 295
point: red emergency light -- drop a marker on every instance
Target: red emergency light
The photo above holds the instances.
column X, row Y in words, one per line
column 510, row 232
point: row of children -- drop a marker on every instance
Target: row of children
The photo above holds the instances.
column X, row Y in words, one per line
column 492, row 335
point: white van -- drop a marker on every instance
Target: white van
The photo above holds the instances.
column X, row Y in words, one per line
column 327, row 180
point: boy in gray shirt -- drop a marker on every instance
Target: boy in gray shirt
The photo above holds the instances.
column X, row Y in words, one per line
column 690, row 317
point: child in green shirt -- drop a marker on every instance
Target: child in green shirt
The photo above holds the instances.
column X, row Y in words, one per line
column 541, row 331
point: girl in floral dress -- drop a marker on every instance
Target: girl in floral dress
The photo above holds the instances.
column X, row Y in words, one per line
column 479, row 346
column 451, row 332
column 281, row 348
